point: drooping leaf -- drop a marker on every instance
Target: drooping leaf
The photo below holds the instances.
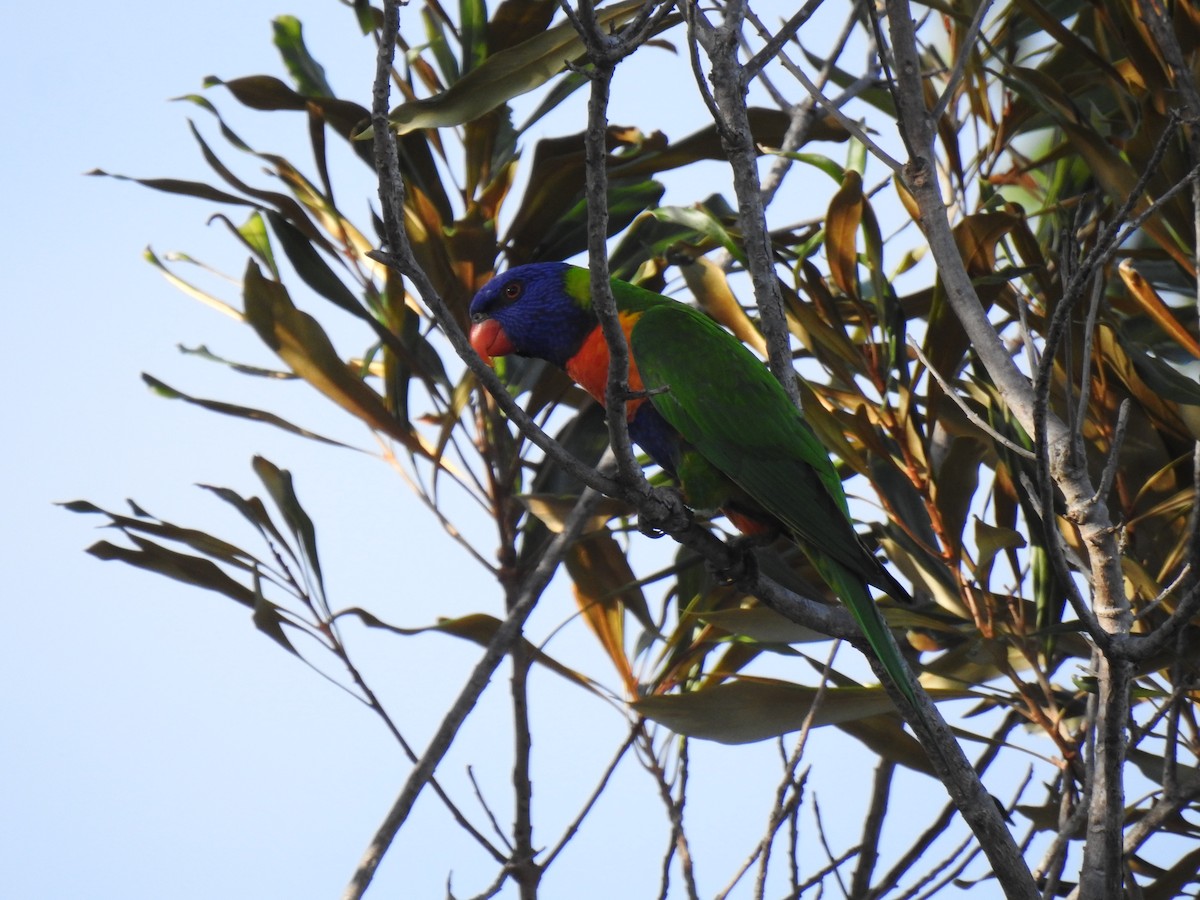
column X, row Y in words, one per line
column 745, row 710
column 842, row 222
column 479, row 629
column 240, row 412
column 303, row 345
column 708, row 284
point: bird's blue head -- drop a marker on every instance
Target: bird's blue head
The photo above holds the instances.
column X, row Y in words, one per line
column 532, row 310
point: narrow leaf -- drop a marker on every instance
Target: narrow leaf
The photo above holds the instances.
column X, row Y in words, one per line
column 506, row 74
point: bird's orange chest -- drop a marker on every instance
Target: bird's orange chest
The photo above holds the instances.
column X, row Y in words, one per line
column 589, row 366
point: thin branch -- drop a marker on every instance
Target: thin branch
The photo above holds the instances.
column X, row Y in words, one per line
column 1085, row 374
column 804, row 114
column 677, row 842
column 571, row 829
column 973, row 416
column 834, row 108
column 820, row 875
column 617, row 392
column 1072, row 815
column 772, row 47
column 1114, row 451
column 525, row 870
column 938, row 826
column 868, row 854
column 788, row 794
column 498, row 647
column 837, row 872
column 732, row 119
column 487, row 809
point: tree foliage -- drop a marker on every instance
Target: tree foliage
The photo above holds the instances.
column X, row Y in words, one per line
column 998, row 336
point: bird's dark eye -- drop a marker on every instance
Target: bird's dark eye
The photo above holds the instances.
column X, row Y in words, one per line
column 512, row 291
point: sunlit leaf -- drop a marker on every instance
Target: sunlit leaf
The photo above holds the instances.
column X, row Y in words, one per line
column 1152, row 304
column 708, row 284
column 303, row 345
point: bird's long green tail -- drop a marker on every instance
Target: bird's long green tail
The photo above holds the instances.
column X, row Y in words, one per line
column 853, row 591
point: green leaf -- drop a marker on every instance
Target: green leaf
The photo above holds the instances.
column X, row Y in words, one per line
column 473, row 29
column 568, row 235
column 268, row 619
column 190, row 289
column 435, row 31
column 312, row 267
column 991, row 539
column 192, row 538
column 308, row 74
column 818, row 161
column 179, row 186
column 762, row 624
column 702, row 220
column 255, row 512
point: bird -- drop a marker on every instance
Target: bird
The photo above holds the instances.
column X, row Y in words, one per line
column 708, row 412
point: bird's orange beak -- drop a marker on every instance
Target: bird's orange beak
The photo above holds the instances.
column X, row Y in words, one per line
column 489, row 340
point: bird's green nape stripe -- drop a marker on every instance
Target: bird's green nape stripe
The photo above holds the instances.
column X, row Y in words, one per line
column 578, row 284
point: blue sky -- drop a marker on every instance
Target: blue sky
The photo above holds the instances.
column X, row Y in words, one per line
column 155, row 744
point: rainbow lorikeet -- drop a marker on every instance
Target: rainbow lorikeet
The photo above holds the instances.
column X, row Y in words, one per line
column 708, row 412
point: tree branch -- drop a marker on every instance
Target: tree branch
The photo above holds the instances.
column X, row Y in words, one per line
column 733, row 125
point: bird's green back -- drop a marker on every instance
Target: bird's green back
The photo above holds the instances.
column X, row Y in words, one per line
column 729, row 406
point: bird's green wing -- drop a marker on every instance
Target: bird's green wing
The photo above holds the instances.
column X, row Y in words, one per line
column 728, row 406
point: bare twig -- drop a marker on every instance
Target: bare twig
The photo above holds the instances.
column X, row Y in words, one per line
column 733, row 125
column 486, row 808
column 499, row 646
column 523, row 868
column 1085, row 365
column 868, row 852
column 677, row 843
column 789, row 792
column 973, row 416
column 1114, row 452
column 836, row 870
column 804, row 114
column 573, row 828
column 800, row 887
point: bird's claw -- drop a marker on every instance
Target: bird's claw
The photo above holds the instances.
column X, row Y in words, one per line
column 664, row 513
column 742, row 564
